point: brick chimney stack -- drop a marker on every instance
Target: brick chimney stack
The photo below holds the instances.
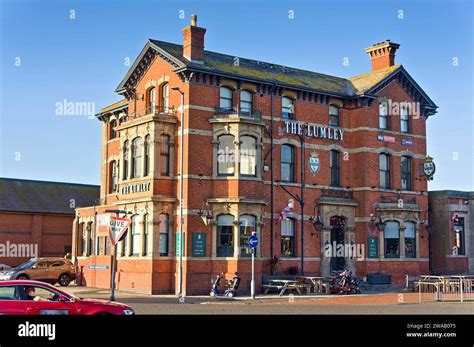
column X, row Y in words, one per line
column 193, row 41
column 382, row 54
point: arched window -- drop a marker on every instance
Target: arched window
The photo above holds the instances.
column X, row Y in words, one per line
column 225, row 102
column 226, row 155
column 83, row 228
column 137, row 156
column 287, row 108
column 246, row 102
column 113, row 176
column 410, row 240
column 112, row 133
column 246, row 228
column 333, row 115
column 383, row 115
column 335, row 168
column 165, row 91
column 135, row 235
column 288, row 237
column 164, row 234
column 406, row 172
column 287, row 163
column 146, row 145
column 392, row 240
column 151, row 100
column 225, row 235
column 384, row 170
column 126, row 158
column 248, row 156
column 165, row 155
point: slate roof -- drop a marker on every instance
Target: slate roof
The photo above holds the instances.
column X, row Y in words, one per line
column 284, row 76
column 18, row 195
column 225, row 64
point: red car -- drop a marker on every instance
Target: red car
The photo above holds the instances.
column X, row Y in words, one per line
column 37, row 298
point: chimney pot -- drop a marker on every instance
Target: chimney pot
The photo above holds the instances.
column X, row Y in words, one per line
column 194, row 19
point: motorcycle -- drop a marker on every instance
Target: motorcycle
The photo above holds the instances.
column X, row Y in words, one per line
column 344, row 283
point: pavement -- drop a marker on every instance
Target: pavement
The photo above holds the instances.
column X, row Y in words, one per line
column 367, row 303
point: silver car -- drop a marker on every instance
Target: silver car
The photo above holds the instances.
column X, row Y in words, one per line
column 51, row 270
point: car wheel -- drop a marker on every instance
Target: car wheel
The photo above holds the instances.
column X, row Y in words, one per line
column 22, row 277
column 64, row 280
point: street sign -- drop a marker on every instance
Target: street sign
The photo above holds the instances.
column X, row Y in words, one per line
column 117, row 228
column 253, row 241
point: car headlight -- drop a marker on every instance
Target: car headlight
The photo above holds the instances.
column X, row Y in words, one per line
column 128, row 312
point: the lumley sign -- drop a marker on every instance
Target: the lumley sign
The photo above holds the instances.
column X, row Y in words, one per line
column 314, row 130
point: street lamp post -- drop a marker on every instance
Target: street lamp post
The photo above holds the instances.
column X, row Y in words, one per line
column 114, row 263
column 181, row 165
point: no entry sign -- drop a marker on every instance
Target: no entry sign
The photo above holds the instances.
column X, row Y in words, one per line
column 117, row 227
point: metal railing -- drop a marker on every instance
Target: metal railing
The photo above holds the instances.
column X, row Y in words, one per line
column 445, row 288
column 237, row 112
column 156, row 110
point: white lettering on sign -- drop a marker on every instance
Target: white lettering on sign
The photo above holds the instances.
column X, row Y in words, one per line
column 314, row 130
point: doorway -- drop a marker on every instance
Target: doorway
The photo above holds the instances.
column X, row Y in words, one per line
column 337, row 238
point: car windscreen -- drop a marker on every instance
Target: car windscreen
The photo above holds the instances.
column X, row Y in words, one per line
column 26, row 264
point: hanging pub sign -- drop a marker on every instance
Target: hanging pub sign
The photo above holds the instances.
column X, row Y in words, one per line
column 429, row 167
column 314, row 163
column 314, row 130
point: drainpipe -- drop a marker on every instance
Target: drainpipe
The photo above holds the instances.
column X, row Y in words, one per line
column 271, row 172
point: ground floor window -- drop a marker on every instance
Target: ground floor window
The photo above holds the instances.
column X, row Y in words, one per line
column 225, row 236
column 107, row 245
column 247, row 227
column 392, row 240
column 135, row 232
column 164, row 234
column 410, row 240
column 288, row 237
column 459, row 235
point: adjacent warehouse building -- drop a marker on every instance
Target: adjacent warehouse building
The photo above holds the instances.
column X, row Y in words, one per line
column 37, row 217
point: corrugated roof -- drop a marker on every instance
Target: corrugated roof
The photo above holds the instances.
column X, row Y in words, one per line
column 17, row 195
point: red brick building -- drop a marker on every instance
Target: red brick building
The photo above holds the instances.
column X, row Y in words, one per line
column 36, row 217
column 452, row 232
column 245, row 122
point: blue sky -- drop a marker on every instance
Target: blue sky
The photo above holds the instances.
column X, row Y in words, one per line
column 48, row 57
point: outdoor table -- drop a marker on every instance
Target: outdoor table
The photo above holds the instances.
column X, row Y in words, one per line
column 317, row 282
column 285, row 285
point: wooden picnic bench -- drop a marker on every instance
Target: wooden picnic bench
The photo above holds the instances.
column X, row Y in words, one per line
column 283, row 286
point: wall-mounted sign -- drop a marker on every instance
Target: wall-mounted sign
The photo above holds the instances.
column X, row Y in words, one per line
column 386, row 138
column 98, row 267
column 136, row 188
column 177, row 244
column 314, row 130
column 407, row 142
column 314, row 163
column 199, row 244
column 429, row 167
column 373, row 247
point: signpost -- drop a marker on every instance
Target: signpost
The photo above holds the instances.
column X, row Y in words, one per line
column 253, row 243
column 117, row 229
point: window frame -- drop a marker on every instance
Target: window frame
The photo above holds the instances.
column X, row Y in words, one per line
column 165, row 97
column 384, row 117
column 165, row 155
column 385, row 172
column 230, row 153
column 404, row 120
column 288, row 239
column 244, row 237
column 137, row 157
column 410, row 238
column 146, row 156
column 291, row 164
column 335, row 168
column 398, row 244
column 333, row 116
column 249, row 156
column 246, row 110
column 406, row 173
column 126, row 159
column 226, row 98
column 229, row 251
column 287, row 112
column 151, row 102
